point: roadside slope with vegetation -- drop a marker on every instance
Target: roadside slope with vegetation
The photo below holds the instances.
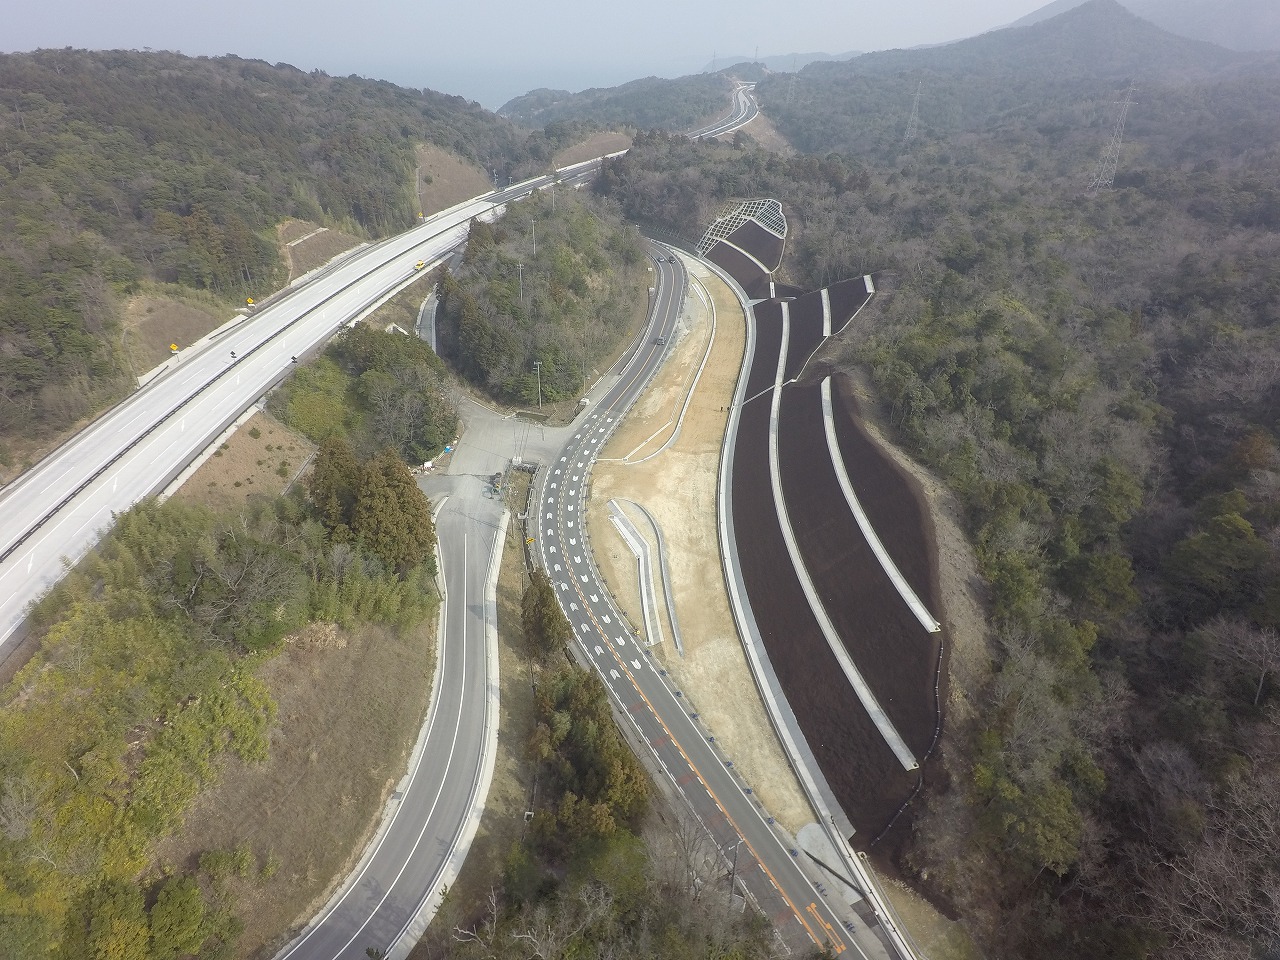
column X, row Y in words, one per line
column 1096, row 375
column 605, row 867
column 146, row 672
column 146, row 678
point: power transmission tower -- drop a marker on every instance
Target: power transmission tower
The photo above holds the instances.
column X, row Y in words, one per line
column 1105, row 175
column 791, row 87
column 914, row 120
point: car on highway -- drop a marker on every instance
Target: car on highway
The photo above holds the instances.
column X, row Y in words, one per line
column 661, row 341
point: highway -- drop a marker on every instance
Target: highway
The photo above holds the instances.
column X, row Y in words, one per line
column 390, row 897
column 62, row 506
column 58, row 509
column 767, row 870
column 745, row 110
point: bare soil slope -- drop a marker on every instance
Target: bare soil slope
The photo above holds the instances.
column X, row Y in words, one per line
column 445, row 179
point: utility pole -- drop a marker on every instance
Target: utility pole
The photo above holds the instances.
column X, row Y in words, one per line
column 537, row 368
column 1105, row 174
column 535, row 239
column 520, row 276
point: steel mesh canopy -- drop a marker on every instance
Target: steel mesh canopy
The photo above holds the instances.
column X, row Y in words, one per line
column 766, row 213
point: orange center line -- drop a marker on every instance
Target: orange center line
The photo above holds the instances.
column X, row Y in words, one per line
column 692, row 766
column 796, row 912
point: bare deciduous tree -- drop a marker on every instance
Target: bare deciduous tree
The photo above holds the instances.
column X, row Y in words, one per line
column 1241, row 642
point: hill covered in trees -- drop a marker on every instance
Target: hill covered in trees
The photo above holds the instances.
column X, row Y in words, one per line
column 1095, row 374
column 650, row 103
column 557, row 282
column 123, row 167
column 1235, row 24
column 148, row 678
column 1047, row 80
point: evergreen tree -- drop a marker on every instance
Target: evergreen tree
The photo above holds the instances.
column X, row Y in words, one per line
column 392, row 517
column 332, row 486
column 546, row 631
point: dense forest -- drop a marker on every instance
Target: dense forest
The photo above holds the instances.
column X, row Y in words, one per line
column 374, row 391
column 1096, row 374
column 118, row 167
column 557, row 282
column 1053, row 82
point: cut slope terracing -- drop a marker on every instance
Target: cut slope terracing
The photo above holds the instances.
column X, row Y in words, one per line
column 831, row 596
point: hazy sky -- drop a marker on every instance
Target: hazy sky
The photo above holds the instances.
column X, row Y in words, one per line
column 492, row 50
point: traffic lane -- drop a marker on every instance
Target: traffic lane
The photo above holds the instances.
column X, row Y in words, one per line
column 782, row 893
column 732, row 814
column 567, row 558
column 204, row 371
column 419, row 866
column 63, row 470
column 218, row 378
column 801, row 915
column 413, row 850
column 434, row 817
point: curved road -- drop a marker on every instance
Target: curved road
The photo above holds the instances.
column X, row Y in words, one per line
column 425, row 838
column 59, row 508
column 766, row 869
column 745, row 110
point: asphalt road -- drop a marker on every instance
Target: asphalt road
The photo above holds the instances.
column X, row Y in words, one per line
column 421, row 845
column 766, row 868
column 744, row 111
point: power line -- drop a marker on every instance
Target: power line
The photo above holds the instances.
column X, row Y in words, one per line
column 1105, row 174
column 914, row 120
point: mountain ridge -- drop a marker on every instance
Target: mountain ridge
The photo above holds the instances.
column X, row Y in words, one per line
column 1096, row 38
column 1242, row 25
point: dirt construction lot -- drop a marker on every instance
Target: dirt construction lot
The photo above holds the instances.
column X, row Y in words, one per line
column 677, row 486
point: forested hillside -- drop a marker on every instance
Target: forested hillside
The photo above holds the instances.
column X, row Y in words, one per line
column 1096, row 374
column 1050, row 81
column 147, row 679
column 651, row 103
column 119, row 167
column 1236, row 24
column 557, row 282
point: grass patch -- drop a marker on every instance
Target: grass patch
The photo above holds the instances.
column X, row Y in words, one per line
column 349, row 708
